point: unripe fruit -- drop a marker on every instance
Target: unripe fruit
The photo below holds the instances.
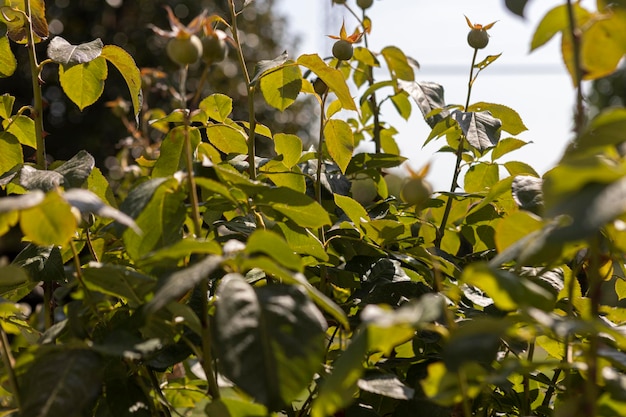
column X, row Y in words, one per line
column 364, row 4
column 339, row 1
column 478, row 38
column 416, row 192
column 213, row 48
column 343, row 50
column 363, row 189
column 184, row 51
column 320, row 87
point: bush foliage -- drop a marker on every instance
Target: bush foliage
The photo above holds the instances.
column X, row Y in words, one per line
column 207, row 277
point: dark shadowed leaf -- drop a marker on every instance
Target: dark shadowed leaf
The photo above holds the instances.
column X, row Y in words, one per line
column 429, row 97
column 77, row 170
column 481, row 130
column 72, row 377
column 63, row 52
column 527, row 193
column 481, row 337
column 516, row 6
column 42, row 263
column 180, row 282
column 118, row 281
column 271, row 339
column 15, row 283
column 232, row 407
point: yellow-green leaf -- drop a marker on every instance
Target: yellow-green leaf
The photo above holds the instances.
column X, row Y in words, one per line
column 84, row 83
column 217, row 106
column 23, row 128
column 332, row 77
column 514, row 227
column 49, row 223
column 511, row 120
column 340, row 142
column 289, row 146
column 125, row 64
column 280, row 86
column 17, row 24
column 227, row 139
column 8, row 63
column 10, row 152
column 398, row 64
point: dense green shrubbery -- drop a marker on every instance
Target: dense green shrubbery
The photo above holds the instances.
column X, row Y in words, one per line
column 206, row 279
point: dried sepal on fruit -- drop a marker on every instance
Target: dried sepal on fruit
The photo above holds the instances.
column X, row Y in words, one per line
column 416, row 191
column 343, row 49
column 184, row 47
column 478, row 38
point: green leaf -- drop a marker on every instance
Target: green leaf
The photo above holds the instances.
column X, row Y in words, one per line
column 302, row 241
column 227, row 139
column 233, row 407
column 603, row 45
column 172, row 156
column 429, row 97
column 42, row 263
column 84, row 83
column 89, row 203
column 481, row 337
column 507, row 290
column 516, row 6
column 180, row 250
column 553, row 22
column 365, row 161
column 10, row 152
column 23, row 128
column 505, row 146
column 270, row 243
column 402, row 104
column 140, row 196
column 49, row 223
column 6, row 106
column 8, row 63
column 332, row 77
column 281, row 86
column 514, row 227
column 66, row 54
column 607, row 128
column 217, row 106
column 527, row 193
column 398, row 64
column 340, row 142
column 77, row 169
column 339, row 389
column 520, row 168
column 180, row 282
column 73, row 378
column 271, row 339
column 289, row 146
column 481, row 130
column 510, row 119
column 15, row 283
column 265, row 66
column 125, row 64
column 118, row 281
column 486, row 62
column 481, row 177
column 160, row 221
column 298, row 207
column 352, row 208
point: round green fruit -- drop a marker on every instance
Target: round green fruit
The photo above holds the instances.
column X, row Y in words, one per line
column 214, row 47
column 364, row 189
column 184, row 51
column 339, row 1
column 364, row 4
column 416, row 192
column 343, row 50
column 320, row 87
column 478, row 38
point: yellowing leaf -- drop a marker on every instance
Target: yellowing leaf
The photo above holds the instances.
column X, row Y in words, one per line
column 332, row 77
column 8, row 63
column 125, row 64
column 340, row 142
column 17, row 24
column 84, row 83
column 280, row 86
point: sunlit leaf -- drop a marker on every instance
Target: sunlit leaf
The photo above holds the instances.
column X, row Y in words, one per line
column 332, row 77
column 290, row 147
column 607, row 128
column 23, row 128
column 271, row 339
column 17, row 24
column 510, row 119
column 172, row 156
column 217, row 106
column 270, row 243
column 514, row 227
column 8, row 63
column 84, row 83
column 340, row 142
column 125, row 64
column 64, row 53
column 266, row 65
column 398, row 64
column 15, row 283
column 11, row 154
column 281, row 86
column 6, row 105
column 481, row 177
column 296, row 206
column 49, row 223
column 352, row 208
column 227, row 139
column 520, row 168
column 505, row 146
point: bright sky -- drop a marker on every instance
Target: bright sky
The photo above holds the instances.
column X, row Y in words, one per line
column 536, row 85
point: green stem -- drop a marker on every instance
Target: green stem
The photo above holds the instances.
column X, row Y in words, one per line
column 459, row 159
column 37, row 113
column 527, row 400
column 579, row 116
column 462, row 378
column 9, row 363
column 207, row 354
